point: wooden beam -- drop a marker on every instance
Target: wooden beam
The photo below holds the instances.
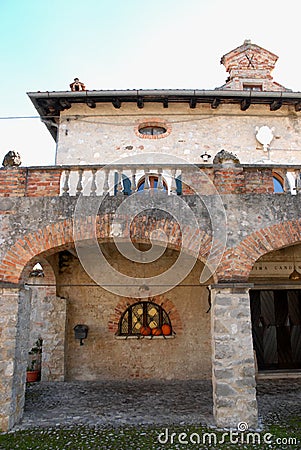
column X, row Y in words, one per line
column 91, row 103
column 215, row 103
column 192, row 102
column 298, row 106
column 65, row 104
column 245, row 104
column 116, row 103
column 276, row 104
column 140, row 102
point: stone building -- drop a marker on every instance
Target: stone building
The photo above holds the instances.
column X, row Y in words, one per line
column 170, row 228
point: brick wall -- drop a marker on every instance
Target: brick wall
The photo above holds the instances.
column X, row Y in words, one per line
column 24, row 182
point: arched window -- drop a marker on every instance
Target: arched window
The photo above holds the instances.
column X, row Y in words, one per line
column 145, row 319
column 278, row 183
column 37, row 271
column 153, row 183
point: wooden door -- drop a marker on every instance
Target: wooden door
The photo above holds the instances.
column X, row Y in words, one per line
column 276, row 328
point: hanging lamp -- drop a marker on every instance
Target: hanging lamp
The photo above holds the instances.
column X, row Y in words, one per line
column 295, row 275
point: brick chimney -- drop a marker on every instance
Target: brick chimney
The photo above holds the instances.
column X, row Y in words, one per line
column 249, row 67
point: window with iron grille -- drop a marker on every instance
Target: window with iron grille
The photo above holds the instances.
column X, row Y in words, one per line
column 145, row 319
column 152, row 130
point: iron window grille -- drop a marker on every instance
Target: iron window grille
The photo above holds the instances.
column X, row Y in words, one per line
column 142, row 315
column 152, row 130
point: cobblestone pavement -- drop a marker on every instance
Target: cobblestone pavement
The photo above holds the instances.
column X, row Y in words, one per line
column 100, row 403
column 279, row 400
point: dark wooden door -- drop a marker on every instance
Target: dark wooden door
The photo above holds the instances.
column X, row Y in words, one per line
column 276, row 328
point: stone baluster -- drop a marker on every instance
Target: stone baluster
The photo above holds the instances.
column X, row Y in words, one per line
column 79, row 186
column 106, row 186
column 146, row 179
column 119, row 182
column 93, row 183
column 66, row 183
column 173, row 188
column 133, row 182
column 160, row 180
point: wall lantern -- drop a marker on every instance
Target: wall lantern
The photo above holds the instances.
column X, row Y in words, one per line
column 205, row 157
column 80, row 332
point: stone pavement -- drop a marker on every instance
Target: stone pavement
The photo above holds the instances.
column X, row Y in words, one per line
column 118, row 403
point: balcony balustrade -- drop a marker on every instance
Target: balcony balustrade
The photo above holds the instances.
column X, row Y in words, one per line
column 170, row 179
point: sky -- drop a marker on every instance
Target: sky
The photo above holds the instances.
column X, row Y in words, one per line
column 127, row 44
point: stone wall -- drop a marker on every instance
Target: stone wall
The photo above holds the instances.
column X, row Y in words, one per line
column 48, row 322
column 255, row 225
column 233, row 365
column 103, row 134
column 14, row 333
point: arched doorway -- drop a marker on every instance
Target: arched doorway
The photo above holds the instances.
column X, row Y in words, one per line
column 276, row 310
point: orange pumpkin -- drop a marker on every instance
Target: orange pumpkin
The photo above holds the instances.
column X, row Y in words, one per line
column 145, row 331
column 156, row 331
column 166, row 329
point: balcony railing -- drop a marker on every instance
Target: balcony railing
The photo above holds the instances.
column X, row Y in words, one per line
column 120, row 180
column 175, row 179
column 171, row 179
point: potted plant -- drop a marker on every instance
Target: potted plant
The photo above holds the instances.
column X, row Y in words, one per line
column 34, row 362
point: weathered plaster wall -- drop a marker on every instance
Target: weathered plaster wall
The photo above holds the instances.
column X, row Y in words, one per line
column 104, row 134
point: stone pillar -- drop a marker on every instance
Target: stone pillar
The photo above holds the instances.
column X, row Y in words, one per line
column 233, row 367
column 14, row 332
column 48, row 321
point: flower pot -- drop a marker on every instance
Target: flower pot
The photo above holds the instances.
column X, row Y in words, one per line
column 32, row 376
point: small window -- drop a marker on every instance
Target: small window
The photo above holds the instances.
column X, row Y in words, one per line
column 152, row 130
column 37, row 271
column 145, row 319
column 252, row 87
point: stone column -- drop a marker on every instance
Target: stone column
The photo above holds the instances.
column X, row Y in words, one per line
column 14, row 331
column 233, row 367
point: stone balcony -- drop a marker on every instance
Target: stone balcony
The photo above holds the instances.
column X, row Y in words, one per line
column 118, row 180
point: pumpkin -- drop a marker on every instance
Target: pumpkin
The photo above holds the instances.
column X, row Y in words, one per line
column 166, row 329
column 145, row 331
column 156, row 331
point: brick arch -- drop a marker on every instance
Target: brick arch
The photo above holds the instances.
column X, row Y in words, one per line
column 161, row 300
column 238, row 262
column 58, row 236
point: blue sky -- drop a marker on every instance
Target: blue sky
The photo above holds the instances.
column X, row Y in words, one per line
column 127, row 44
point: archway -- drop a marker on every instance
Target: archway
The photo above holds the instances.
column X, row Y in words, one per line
column 276, row 310
column 49, row 245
